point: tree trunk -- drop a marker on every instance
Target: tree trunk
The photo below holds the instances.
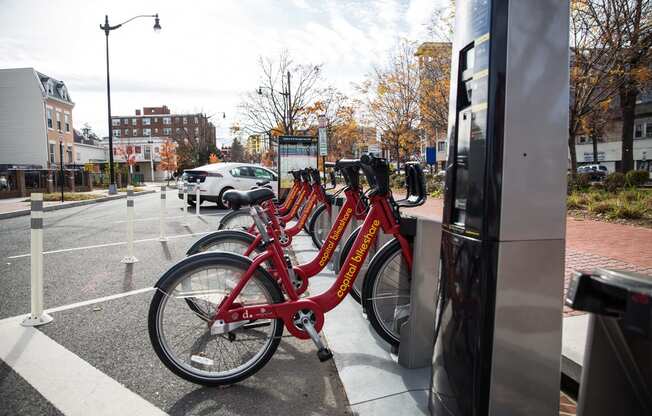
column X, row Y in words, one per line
column 594, row 138
column 573, row 154
column 398, row 155
column 628, row 95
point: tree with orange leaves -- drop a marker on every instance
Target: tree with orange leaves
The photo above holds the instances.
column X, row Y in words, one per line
column 168, row 154
column 212, row 158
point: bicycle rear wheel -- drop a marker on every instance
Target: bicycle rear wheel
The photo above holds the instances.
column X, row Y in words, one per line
column 386, row 292
column 183, row 339
column 239, row 219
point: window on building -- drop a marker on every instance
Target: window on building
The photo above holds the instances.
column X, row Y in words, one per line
column 155, row 119
column 58, row 121
column 69, row 154
column 134, row 121
column 648, row 130
column 582, row 139
column 146, row 121
column 147, row 132
column 78, row 157
column 167, row 120
column 196, row 130
column 127, row 132
column 441, row 146
column 156, row 149
column 638, row 131
column 115, row 122
column 155, row 131
column 167, row 131
column 116, row 133
column 49, row 118
column 196, row 120
column 185, row 120
column 67, row 122
column 176, row 119
column 137, row 149
column 52, row 155
column 135, row 132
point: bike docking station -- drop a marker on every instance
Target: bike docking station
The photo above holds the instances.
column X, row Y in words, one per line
column 498, row 326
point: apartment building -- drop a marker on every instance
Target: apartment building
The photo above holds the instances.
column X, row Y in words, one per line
column 35, row 117
column 144, row 152
column 160, row 122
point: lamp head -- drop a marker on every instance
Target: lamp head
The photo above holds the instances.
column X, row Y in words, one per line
column 157, row 25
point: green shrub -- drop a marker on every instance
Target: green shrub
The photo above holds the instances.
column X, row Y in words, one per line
column 637, row 177
column 579, row 182
column 577, row 200
column 631, row 195
column 627, row 211
column 601, row 207
column 614, row 181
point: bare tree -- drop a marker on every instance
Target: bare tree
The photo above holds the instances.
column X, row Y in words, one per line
column 285, row 91
column 625, row 27
column 392, row 98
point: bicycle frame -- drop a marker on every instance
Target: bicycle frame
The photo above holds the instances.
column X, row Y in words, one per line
column 285, row 207
column 380, row 216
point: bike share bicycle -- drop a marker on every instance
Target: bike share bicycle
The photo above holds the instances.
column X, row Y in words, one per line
column 242, row 308
column 240, row 219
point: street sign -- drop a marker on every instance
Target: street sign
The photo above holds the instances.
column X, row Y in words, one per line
column 431, row 155
column 323, row 142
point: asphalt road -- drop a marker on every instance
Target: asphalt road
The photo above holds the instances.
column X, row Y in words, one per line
column 112, row 335
column 88, row 273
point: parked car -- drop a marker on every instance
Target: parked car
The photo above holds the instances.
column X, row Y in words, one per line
column 596, row 172
column 215, row 179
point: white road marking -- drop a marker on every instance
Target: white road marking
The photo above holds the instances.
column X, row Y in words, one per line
column 167, row 218
column 71, row 384
column 145, row 240
column 99, row 300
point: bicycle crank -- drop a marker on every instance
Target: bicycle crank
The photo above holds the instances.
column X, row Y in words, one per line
column 305, row 320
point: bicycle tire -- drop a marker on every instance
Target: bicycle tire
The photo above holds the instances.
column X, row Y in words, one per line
column 172, row 278
column 376, row 304
column 228, row 221
column 314, row 220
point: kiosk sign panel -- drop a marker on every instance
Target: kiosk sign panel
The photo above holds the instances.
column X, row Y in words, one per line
column 294, row 152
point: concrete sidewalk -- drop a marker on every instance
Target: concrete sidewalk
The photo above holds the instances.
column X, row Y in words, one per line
column 16, row 207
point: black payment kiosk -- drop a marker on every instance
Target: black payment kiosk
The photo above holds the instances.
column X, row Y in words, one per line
column 499, row 303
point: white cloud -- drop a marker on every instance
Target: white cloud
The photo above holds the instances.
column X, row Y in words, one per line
column 206, row 55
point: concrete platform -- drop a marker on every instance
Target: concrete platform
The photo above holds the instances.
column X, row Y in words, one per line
column 573, row 343
column 374, row 382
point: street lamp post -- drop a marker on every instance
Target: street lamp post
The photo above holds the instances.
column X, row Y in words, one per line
column 108, row 28
column 63, row 179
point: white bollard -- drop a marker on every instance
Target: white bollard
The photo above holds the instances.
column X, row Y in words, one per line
column 37, row 316
column 161, row 236
column 197, row 199
column 130, row 258
column 185, row 204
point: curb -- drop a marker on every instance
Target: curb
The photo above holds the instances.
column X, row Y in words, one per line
column 22, row 212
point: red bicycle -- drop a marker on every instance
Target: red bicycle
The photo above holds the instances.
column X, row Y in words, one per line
column 240, row 219
column 244, row 243
column 242, row 309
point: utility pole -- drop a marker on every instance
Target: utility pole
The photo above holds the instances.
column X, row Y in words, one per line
column 289, row 94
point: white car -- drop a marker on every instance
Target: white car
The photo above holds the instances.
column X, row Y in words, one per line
column 215, row 179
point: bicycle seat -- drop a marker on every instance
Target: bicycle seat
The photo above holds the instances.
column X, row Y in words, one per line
column 237, row 199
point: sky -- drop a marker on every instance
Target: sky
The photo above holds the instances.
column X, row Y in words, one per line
column 205, row 57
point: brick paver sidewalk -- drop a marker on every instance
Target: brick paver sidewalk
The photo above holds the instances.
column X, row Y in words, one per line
column 589, row 244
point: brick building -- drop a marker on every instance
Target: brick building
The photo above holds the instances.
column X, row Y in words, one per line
column 35, row 116
column 160, row 122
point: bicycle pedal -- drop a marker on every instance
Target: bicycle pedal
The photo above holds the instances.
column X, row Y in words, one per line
column 324, row 354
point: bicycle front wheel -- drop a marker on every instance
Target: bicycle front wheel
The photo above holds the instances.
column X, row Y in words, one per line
column 183, row 338
column 320, row 224
column 240, row 219
column 386, row 292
